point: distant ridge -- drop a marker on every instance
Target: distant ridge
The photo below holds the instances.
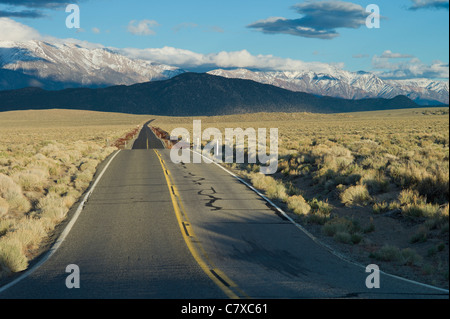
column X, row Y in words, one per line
column 192, row 94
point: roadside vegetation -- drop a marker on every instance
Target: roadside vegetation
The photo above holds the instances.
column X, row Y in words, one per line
column 47, row 161
column 375, row 185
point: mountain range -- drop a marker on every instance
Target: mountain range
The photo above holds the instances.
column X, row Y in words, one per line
column 55, row 66
column 191, row 94
column 348, row 85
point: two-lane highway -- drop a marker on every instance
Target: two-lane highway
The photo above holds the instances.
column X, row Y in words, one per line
column 155, row 229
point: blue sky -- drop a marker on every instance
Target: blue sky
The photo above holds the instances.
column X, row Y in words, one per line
column 412, row 40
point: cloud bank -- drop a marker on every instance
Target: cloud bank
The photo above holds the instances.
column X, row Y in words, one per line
column 390, row 65
column 236, row 59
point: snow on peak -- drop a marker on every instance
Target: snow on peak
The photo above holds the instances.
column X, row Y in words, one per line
column 73, row 63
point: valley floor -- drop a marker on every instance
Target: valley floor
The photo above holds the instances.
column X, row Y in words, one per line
column 373, row 185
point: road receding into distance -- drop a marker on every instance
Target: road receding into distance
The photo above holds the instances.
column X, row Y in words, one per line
column 152, row 229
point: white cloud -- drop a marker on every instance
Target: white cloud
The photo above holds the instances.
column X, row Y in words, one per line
column 15, row 31
column 408, row 68
column 142, row 27
column 235, row 59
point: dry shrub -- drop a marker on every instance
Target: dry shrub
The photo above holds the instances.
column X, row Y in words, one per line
column 70, row 199
column 432, row 183
column 89, row 165
column 12, row 257
column 375, row 181
column 421, row 210
column 298, row 205
column 335, row 158
column 391, row 253
column 53, row 149
column 435, row 186
column 13, row 194
column 52, row 206
column 28, row 231
column 380, row 207
column 387, row 253
column 320, row 212
column 82, row 180
column 5, row 225
column 20, row 237
column 444, row 211
column 338, row 225
column 411, row 196
column 355, row 195
column 4, row 207
column 416, row 206
column 273, row 188
column 33, row 179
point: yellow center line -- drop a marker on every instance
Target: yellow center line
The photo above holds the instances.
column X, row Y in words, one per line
column 201, row 257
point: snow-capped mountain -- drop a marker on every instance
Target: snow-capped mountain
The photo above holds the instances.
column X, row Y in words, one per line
column 66, row 65
column 58, row 65
column 348, row 85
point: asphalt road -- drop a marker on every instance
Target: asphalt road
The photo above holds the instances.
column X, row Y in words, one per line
column 192, row 231
column 147, row 140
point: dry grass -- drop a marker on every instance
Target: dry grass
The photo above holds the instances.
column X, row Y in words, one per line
column 47, row 160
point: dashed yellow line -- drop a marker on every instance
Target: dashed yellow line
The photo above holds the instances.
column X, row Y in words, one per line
column 201, row 257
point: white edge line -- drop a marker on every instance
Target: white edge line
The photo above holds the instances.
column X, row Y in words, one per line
column 63, row 235
column 317, row 241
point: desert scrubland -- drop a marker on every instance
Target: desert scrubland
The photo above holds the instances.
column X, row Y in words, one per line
column 372, row 185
